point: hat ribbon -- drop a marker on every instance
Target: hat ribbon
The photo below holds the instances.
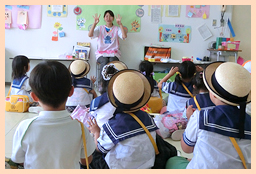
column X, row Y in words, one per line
column 225, row 94
column 79, row 75
column 125, row 107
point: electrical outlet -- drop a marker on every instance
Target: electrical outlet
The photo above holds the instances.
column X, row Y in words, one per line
column 214, row 22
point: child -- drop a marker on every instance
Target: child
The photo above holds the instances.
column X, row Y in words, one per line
column 20, row 83
column 100, row 107
column 202, row 96
column 210, row 132
column 53, row 139
column 146, row 68
column 82, row 85
column 178, row 95
column 122, row 139
column 155, row 103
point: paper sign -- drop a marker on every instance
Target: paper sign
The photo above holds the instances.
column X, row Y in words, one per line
column 22, row 17
column 205, row 32
column 8, row 17
column 57, row 8
column 54, row 38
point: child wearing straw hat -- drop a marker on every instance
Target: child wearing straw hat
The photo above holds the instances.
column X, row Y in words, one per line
column 100, row 107
column 122, row 139
column 83, row 90
column 220, row 138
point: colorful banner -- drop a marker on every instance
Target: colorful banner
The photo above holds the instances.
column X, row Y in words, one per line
column 174, row 33
column 130, row 14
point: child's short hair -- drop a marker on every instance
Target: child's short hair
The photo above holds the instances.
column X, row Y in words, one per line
column 199, row 82
column 51, row 83
column 19, row 66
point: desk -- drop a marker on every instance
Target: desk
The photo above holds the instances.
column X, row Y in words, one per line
column 224, row 53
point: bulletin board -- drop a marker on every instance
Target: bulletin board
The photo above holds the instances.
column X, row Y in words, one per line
column 198, row 11
column 131, row 16
column 174, row 33
column 34, row 14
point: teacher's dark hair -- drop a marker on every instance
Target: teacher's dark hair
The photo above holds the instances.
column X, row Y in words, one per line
column 110, row 12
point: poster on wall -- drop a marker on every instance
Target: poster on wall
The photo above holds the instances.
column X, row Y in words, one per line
column 31, row 19
column 131, row 16
column 174, row 33
column 172, row 10
column 57, row 10
column 198, row 11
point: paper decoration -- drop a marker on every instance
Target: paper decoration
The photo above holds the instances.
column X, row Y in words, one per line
column 197, row 11
column 174, row 33
column 8, row 17
column 57, row 10
column 22, row 17
column 204, row 32
column 156, row 14
column 34, row 15
column 140, row 12
column 85, row 20
column 77, row 10
column 172, row 10
column 58, row 26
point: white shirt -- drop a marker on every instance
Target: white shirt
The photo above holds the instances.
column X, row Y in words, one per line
column 79, row 97
column 133, row 153
column 104, row 113
column 52, row 141
column 212, row 150
column 24, row 90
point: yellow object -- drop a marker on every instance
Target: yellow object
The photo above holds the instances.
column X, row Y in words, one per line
column 156, row 103
column 147, row 132
column 84, row 142
column 204, row 16
column 238, row 151
column 17, row 103
column 231, row 39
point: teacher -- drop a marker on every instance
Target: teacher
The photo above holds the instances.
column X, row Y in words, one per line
column 108, row 43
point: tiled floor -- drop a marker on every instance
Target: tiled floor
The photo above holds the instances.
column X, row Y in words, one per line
column 13, row 119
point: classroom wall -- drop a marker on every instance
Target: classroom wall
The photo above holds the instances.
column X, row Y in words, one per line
column 37, row 42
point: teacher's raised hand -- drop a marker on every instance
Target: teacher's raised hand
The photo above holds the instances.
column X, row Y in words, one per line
column 96, row 18
column 118, row 19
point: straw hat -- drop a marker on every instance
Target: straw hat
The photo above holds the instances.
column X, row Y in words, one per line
column 128, row 90
column 119, row 65
column 229, row 82
column 79, row 68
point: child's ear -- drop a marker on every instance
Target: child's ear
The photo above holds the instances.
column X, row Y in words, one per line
column 71, row 91
column 34, row 97
column 194, row 86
